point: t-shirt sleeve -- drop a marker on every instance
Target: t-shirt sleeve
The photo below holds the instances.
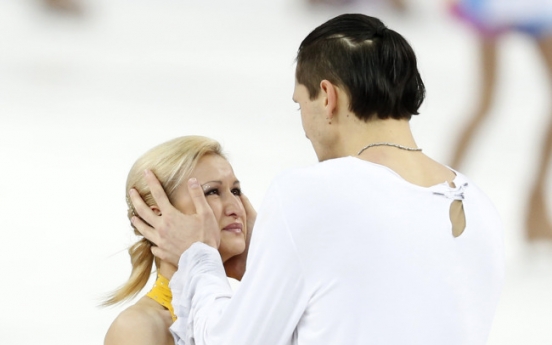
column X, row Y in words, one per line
column 268, row 304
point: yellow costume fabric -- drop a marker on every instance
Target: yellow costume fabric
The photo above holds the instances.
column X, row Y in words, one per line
column 161, row 294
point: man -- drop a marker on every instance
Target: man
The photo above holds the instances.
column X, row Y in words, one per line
column 376, row 244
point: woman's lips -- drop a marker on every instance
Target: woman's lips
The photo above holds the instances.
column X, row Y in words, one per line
column 234, row 227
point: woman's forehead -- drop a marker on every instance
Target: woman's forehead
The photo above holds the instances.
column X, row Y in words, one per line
column 213, row 167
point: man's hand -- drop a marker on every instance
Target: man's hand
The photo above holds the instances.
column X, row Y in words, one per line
column 173, row 232
column 235, row 266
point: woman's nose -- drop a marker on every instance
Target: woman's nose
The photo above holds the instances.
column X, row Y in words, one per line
column 232, row 206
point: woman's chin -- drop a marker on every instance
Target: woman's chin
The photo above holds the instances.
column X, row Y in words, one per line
column 232, row 247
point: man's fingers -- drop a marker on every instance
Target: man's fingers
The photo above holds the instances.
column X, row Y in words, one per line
column 157, row 192
column 249, row 210
column 163, row 255
column 157, row 252
column 146, row 230
column 207, row 221
column 141, row 208
column 251, row 217
column 198, row 196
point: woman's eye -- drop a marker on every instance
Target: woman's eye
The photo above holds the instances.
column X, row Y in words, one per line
column 212, row 192
column 236, row 191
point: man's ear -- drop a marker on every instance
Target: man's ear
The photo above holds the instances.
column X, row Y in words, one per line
column 329, row 92
column 155, row 210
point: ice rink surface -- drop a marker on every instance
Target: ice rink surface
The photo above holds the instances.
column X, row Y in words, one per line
column 82, row 97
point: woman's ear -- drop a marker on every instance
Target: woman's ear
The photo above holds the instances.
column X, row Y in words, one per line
column 155, row 210
column 329, row 92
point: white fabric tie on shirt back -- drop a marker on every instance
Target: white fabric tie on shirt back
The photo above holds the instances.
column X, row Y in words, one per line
column 455, row 193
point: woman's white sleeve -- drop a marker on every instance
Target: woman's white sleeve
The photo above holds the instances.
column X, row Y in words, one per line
column 267, row 305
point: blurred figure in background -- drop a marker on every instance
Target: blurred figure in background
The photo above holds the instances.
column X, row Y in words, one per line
column 491, row 20
column 399, row 5
column 64, row 6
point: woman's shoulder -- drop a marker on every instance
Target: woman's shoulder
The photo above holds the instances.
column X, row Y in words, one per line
column 140, row 324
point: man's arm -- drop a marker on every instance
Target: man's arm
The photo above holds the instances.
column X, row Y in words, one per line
column 272, row 295
column 267, row 306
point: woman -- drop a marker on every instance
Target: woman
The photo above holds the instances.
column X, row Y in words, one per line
column 492, row 19
column 148, row 321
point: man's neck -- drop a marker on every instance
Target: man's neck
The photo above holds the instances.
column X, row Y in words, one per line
column 358, row 134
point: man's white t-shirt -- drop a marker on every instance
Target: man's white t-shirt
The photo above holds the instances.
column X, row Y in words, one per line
column 347, row 252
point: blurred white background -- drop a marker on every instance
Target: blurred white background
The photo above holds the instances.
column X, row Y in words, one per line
column 83, row 96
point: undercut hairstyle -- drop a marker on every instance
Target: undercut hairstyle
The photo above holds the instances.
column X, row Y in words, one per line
column 374, row 65
column 172, row 163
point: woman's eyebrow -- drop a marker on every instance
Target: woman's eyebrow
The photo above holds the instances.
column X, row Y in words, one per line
column 220, row 182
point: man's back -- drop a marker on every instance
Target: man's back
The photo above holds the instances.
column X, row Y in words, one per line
column 380, row 262
column 348, row 252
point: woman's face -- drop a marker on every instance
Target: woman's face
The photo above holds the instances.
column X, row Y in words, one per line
column 222, row 191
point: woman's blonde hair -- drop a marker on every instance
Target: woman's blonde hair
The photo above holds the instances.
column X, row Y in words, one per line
column 172, row 163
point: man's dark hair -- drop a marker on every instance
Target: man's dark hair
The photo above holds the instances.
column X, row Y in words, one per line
column 373, row 64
